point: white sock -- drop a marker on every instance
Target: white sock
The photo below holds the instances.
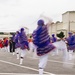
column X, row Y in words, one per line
column 40, row 71
column 53, row 53
column 56, row 51
column 13, row 53
column 34, row 55
column 21, row 60
column 70, row 55
column 17, row 56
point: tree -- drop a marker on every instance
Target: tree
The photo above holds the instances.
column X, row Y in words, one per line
column 61, row 35
column 12, row 33
column 1, row 33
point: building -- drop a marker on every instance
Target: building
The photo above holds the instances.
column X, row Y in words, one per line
column 67, row 24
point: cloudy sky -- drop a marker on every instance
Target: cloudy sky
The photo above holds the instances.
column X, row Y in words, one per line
column 19, row 13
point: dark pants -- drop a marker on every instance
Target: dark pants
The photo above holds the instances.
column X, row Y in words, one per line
column 10, row 46
column 13, row 46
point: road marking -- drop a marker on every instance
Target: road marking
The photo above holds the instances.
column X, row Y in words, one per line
column 21, row 74
column 24, row 66
column 55, row 61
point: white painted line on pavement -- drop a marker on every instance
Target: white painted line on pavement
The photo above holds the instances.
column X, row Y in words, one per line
column 24, row 66
column 21, row 74
column 55, row 61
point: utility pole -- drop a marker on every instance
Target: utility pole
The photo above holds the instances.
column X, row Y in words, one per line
column 69, row 25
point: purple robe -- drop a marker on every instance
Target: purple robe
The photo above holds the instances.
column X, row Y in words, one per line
column 71, row 45
column 23, row 40
column 17, row 43
column 53, row 39
column 6, row 43
column 41, row 39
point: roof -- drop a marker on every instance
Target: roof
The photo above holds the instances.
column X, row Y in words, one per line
column 69, row 12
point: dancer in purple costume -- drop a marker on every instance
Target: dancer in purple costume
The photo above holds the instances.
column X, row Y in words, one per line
column 23, row 43
column 53, row 39
column 17, row 44
column 71, row 45
column 41, row 39
column 74, row 41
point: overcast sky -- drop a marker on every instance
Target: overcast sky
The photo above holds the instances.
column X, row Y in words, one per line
column 18, row 13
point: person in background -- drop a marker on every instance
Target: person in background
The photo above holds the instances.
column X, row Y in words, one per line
column 74, row 41
column 61, row 45
column 17, row 44
column 6, row 42
column 10, row 45
column 71, row 45
column 30, row 44
column 32, row 47
column 53, row 40
column 1, row 45
column 13, row 44
column 23, row 44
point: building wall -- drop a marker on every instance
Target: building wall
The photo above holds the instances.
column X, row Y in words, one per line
column 59, row 26
column 72, row 26
column 67, row 24
column 72, row 21
column 54, row 29
column 50, row 29
column 65, row 17
column 68, row 19
column 72, row 16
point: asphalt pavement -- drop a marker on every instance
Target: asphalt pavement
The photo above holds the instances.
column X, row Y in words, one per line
column 9, row 65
